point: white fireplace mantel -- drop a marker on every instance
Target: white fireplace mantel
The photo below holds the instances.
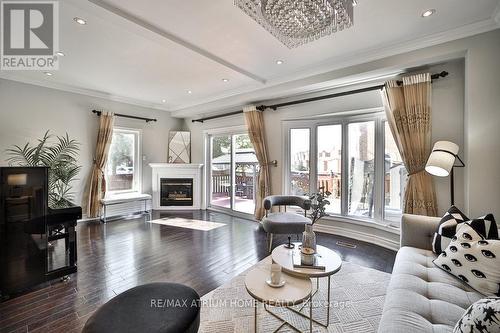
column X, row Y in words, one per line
column 177, row 170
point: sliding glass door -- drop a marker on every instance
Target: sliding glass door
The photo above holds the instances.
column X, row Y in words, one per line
column 221, row 171
column 233, row 172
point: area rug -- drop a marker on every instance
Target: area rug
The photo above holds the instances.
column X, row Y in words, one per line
column 188, row 223
column 357, row 299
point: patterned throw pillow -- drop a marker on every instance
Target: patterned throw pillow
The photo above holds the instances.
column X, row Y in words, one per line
column 482, row 316
column 473, row 259
column 485, row 226
column 447, row 229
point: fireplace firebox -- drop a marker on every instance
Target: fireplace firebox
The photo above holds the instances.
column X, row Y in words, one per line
column 176, row 192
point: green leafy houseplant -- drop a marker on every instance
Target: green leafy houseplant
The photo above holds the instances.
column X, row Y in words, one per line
column 318, row 204
column 61, row 158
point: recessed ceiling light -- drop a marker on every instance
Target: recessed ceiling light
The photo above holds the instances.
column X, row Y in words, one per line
column 225, row 80
column 80, row 21
column 279, row 62
column 48, row 73
column 428, row 12
column 189, row 92
column 61, row 54
column 164, row 101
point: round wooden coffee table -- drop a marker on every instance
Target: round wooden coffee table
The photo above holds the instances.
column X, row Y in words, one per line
column 330, row 259
column 295, row 291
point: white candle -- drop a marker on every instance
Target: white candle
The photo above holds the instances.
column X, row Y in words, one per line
column 275, row 273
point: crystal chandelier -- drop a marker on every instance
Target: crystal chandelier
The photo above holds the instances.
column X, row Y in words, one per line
column 296, row 22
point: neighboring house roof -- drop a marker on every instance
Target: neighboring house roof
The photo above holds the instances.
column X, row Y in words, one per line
column 241, row 156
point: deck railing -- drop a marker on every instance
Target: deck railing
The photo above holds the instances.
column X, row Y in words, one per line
column 245, row 187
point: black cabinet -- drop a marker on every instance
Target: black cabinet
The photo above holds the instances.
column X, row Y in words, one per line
column 37, row 242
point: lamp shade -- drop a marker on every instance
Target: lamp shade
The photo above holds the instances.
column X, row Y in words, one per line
column 442, row 158
column 18, row 179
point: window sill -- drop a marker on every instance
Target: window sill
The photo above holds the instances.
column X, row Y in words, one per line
column 381, row 225
column 373, row 223
column 111, row 197
column 114, row 194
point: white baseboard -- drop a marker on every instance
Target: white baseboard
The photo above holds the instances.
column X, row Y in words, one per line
column 358, row 235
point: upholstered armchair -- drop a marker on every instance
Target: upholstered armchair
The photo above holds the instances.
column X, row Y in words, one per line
column 283, row 222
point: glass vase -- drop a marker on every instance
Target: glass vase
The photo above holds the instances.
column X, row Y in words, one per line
column 309, row 237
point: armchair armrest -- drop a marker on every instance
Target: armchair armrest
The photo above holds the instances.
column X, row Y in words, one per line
column 418, row 231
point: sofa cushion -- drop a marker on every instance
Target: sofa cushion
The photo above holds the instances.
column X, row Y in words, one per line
column 473, row 259
column 423, row 298
column 285, row 223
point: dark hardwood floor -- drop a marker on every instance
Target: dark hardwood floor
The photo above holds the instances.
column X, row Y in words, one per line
column 125, row 253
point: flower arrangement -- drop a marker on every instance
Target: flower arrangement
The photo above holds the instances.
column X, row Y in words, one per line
column 319, row 202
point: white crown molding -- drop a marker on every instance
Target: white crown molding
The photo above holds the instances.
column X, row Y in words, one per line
column 396, row 48
column 81, row 91
column 347, row 61
column 251, row 93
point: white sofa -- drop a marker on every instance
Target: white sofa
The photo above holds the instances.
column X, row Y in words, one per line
column 422, row 298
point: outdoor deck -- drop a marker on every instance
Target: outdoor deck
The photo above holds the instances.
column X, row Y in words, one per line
column 240, row 204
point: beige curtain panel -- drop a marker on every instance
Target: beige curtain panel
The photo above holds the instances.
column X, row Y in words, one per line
column 255, row 123
column 97, row 187
column 408, row 109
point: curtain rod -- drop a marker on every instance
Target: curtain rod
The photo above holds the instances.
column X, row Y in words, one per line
column 98, row 113
column 313, row 99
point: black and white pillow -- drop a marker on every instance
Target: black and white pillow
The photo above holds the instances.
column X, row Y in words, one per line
column 447, row 229
column 473, row 259
column 482, row 316
column 485, row 226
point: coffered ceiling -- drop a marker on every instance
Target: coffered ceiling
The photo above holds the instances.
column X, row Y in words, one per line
column 196, row 56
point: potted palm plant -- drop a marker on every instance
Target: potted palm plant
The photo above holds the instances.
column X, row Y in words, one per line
column 59, row 156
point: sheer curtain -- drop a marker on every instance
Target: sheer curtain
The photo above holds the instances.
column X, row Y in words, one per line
column 255, row 124
column 408, row 109
column 97, row 187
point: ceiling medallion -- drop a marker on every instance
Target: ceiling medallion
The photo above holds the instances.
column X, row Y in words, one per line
column 297, row 22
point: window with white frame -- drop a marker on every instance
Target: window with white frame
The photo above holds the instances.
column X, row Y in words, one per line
column 354, row 158
column 123, row 168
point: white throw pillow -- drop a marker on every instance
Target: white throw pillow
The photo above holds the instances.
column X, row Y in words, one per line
column 473, row 259
column 482, row 316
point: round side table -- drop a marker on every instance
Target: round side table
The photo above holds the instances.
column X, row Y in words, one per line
column 330, row 259
column 295, row 291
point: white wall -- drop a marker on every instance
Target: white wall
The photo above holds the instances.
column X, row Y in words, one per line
column 448, row 108
column 27, row 111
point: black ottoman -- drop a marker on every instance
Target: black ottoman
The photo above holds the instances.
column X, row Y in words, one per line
column 154, row 307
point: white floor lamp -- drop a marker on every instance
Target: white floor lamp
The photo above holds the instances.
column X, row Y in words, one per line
column 442, row 161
